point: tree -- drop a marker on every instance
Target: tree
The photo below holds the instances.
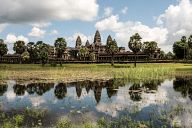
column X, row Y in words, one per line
column 149, row 47
column 43, row 51
column 60, row 45
column 135, row 45
column 169, row 55
column 33, row 52
column 162, row 55
column 111, row 48
column 92, row 56
column 19, row 47
column 3, row 48
column 25, row 56
column 83, row 52
column 179, row 49
column 184, row 41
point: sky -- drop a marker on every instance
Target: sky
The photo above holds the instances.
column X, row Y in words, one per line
column 163, row 21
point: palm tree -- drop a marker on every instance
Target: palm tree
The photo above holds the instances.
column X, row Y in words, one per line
column 60, row 45
column 135, row 44
column 111, row 48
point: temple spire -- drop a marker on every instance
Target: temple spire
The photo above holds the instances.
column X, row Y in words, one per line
column 78, row 42
column 97, row 38
column 87, row 44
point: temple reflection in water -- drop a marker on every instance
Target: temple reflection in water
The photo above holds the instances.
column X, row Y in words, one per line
column 182, row 85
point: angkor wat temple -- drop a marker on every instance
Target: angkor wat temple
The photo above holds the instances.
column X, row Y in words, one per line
column 97, row 47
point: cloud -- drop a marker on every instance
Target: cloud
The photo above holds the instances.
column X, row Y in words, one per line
column 54, row 32
column 11, row 38
column 41, row 24
column 177, row 19
column 2, row 27
column 123, row 30
column 37, row 32
column 22, row 11
column 124, row 10
column 108, row 11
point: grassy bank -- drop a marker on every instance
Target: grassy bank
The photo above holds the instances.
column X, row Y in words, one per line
column 75, row 72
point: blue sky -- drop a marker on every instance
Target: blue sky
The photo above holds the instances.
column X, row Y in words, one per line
column 164, row 21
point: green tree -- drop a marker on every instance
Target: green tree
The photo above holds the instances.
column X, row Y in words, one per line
column 83, row 53
column 33, row 52
column 179, row 49
column 19, row 47
column 162, row 55
column 184, row 41
column 135, row 45
column 92, row 56
column 111, row 48
column 25, row 56
column 43, row 51
column 60, row 45
column 169, row 55
column 149, row 47
column 3, row 48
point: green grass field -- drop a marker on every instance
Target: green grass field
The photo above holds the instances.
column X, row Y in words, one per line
column 75, row 72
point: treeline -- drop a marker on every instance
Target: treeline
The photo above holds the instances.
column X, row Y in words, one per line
column 33, row 52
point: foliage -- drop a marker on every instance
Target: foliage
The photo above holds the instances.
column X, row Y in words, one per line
column 19, row 47
column 33, row 51
column 169, row 56
column 60, row 46
column 179, row 49
column 111, row 48
column 25, row 56
column 92, row 57
column 149, row 47
column 135, row 44
column 64, row 123
column 3, row 48
column 83, row 53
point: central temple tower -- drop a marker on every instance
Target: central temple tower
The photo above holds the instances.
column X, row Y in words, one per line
column 97, row 39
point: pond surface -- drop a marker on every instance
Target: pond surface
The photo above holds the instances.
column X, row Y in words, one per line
column 163, row 102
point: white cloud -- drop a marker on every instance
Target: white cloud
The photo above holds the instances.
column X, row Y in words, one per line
column 178, row 20
column 123, row 30
column 2, row 27
column 108, row 11
column 37, row 32
column 54, row 32
column 41, row 24
column 22, row 11
column 124, row 10
column 11, row 38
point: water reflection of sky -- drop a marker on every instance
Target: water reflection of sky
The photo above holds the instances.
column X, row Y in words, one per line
column 98, row 99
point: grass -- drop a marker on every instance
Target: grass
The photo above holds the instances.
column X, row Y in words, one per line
column 76, row 72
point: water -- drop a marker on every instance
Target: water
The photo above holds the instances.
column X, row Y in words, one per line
column 163, row 102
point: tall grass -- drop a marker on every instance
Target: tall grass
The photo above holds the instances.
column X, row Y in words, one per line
column 75, row 72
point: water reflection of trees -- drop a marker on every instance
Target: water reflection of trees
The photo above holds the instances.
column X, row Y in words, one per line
column 19, row 90
column 60, row 90
column 39, row 88
column 148, row 86
column 184, row 86
column 3, row 89
column 32, row 88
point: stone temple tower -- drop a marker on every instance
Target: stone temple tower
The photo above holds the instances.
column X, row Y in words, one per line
column 97, row 39
column 78, row 43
